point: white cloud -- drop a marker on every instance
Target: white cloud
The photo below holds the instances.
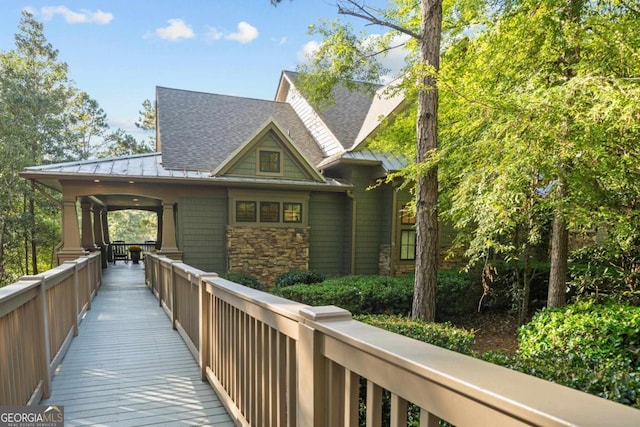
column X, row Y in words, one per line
column 71, row 17
column 246, row 33
column 177, row 29
column 213, row 34
column 307, row 51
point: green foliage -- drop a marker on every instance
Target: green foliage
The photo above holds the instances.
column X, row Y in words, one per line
column 457, row 294
column 295, row 277
column 442, row 335
column 358, row 294
column 132, row 226
column 611, row 269
column 591, row 347
column 245, row 279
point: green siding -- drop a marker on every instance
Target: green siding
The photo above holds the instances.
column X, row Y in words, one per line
column 370, row 218
column 247, row 165
column 201, row 231
column 327, row 233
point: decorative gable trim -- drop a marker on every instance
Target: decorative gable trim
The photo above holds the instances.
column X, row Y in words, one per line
column 252, row 143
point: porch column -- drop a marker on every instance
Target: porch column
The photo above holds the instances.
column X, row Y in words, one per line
column 105, row 233
column 98, row 234
column 159, row 231
column 169, row 246
column 71, row 247
column 88, row 241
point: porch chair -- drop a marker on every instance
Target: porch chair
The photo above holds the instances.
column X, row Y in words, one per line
column 120, row 251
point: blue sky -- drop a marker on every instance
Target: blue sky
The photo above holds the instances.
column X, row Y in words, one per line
column 119, row 51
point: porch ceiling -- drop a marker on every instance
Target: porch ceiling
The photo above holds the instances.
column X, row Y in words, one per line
column 115, row 202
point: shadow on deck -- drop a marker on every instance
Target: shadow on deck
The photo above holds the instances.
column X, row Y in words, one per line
column 128, row 367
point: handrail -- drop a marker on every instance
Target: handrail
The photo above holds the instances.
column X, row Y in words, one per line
column 39, row 317
column 277, row 362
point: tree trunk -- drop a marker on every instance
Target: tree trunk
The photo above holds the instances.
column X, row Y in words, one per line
column 424, row 297
column 559, row 253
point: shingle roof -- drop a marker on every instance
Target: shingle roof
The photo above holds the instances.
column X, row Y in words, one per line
column 198, row 131
column 348, row 112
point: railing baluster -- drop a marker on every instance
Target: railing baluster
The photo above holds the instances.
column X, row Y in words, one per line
column 398, row 411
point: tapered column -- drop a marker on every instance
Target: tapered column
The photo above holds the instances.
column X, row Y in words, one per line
column 169, row 246
column 88, row 241
column 105, row 236
column 71, row 247
column 159, row 231
column 98, row 235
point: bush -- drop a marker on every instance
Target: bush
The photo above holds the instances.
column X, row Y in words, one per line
column 457, row 294
column 590, row 347
column 358, row 294
column 443, row 335
column 246, row 280
column 295, row 277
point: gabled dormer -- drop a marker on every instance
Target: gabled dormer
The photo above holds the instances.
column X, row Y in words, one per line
column 269, row 153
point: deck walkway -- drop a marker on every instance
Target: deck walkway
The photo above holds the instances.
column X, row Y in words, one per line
column 127, row 367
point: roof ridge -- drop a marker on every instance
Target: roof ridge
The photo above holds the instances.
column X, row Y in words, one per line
column 220, row 94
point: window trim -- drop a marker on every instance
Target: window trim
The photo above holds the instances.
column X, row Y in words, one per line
column 407, row 246
column 284, row 210
column 259, row 170
column 277, row 213
column 255, row 209
column 281, row 197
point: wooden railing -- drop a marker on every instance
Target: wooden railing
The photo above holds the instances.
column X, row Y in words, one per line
column 275, row 362
column 39, row 316
column 118, row 247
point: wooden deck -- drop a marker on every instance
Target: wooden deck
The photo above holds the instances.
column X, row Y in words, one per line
column 127, row 367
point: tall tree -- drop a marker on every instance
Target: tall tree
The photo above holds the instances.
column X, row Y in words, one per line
column 120, row 143
column 34, row 93
column 344, row 57
column 87, row 121
column 147, row 121
column 544, row 96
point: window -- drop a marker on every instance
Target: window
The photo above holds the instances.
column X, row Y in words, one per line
column 269, row 161
column 407, row 216
column 269, row 212
column 292, row 212
column 245, row 211
column 407, row 245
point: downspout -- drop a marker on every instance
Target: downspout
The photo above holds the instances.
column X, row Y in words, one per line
column 353, row 231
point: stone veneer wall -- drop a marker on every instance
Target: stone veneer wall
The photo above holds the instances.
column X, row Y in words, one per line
column 267, row 252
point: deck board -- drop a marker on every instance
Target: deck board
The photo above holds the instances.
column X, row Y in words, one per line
column 127, row 367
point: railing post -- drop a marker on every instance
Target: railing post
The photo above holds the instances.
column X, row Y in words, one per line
column 313, row 397
column 44, row 356
column 204, row 310
column 76, row 296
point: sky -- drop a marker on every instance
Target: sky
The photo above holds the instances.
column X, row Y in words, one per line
column 119, row 51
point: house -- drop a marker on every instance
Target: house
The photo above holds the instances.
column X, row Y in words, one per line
column 253, row 186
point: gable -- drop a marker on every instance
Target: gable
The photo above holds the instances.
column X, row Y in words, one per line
column 269, row 154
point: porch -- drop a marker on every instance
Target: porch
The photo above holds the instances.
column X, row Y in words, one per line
column 271, row 362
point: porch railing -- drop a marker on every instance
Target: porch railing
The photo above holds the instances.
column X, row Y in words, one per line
column 120, row 247
column 39, row 316
column 275, row 362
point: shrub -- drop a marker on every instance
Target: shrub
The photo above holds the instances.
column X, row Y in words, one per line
column 358, row 294
column 457, row 294
column 245, row 279
column 295, row 277
column 590, row 347
column 441, row 334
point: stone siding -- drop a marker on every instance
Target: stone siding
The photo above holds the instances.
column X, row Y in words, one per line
column 267, row 252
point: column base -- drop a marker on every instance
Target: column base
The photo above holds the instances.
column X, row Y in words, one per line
column 69, row 255
column 174, row 254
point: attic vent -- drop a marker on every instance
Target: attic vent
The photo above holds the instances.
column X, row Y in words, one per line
column 289, row 133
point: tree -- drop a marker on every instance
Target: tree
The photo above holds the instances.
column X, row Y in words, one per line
column 34, row 94
column 120, row 143
column 343, row 58
column 87, row 121
column 147, row 121
column 540, row 116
